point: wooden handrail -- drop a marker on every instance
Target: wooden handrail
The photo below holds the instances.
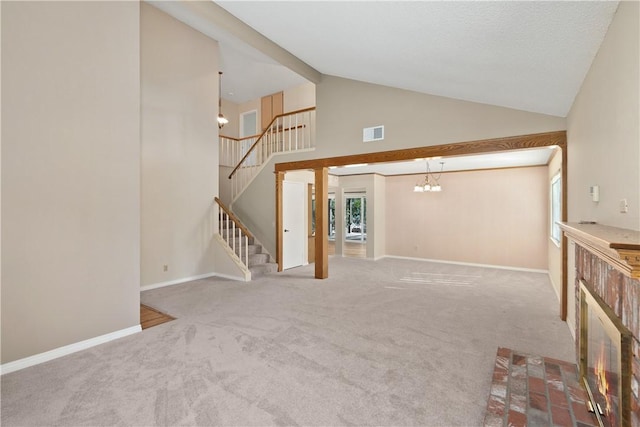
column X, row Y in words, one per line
column 257, row 134
column 304, row 110
column 239, row 139
column 233, row 217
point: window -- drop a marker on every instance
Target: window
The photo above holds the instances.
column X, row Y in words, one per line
column 556, row 208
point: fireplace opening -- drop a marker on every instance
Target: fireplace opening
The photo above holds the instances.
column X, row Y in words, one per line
column 605, row 360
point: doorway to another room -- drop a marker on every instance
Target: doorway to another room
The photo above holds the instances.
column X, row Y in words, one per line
column 354, row 235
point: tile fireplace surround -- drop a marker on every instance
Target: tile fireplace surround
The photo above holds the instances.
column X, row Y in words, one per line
column 607, row 260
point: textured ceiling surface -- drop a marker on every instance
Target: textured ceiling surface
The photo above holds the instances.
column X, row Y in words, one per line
column 248, row 73
column 530, row 56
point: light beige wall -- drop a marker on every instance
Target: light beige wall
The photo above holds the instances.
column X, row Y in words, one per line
column 231, row 113
column 70, row 173
column 299, row 97
column 603, row 128
column 224, row 184
column 179, row 150
column 495, row 217
column 256, row 210
column 411, row 119
column 554, row 251
column 232, row 129
column 379, row 207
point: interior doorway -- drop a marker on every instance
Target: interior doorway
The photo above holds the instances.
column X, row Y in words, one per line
column 355, row 217
column 355, row 225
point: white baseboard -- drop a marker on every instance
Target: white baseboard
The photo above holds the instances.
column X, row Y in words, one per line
column 470, row 264
column 230, row 277
column 66, row 350
column 175, row 282
column 190, row 279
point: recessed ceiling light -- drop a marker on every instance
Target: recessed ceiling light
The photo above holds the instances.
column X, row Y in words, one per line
column 356, row 165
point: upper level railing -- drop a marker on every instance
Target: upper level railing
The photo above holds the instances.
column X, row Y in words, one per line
column 232, row 150
column 287, row 132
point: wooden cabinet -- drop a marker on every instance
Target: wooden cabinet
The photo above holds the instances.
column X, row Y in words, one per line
column 270, row 106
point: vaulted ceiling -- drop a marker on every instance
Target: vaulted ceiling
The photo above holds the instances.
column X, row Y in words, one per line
column 530, row 56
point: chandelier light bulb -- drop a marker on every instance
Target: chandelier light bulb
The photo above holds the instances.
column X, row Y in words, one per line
column 431, row 181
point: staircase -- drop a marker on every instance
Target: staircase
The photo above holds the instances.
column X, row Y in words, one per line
column 248, row 251
column 287, row 133
column 259, row 262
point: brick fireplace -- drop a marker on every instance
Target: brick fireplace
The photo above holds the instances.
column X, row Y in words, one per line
column 607, row 262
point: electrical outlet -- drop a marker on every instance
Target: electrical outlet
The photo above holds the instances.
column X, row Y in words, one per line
column 165, row 268
column 624, row 206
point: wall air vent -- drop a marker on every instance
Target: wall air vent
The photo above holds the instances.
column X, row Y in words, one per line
column 375, row 133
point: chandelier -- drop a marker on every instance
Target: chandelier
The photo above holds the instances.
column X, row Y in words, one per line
column 222, row 120
column 430, row 182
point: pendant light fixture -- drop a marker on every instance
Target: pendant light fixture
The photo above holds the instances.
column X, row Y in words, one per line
column 222, row 120
column 431, row 182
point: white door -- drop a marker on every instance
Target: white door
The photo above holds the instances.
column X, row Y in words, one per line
column 293, row 221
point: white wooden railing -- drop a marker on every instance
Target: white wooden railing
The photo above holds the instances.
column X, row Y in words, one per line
column 232, row 150
column 288, row 132
column 233, row 233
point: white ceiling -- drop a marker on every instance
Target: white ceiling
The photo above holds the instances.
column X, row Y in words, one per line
column 248, row 73
column 531, row 56
column 505, row 159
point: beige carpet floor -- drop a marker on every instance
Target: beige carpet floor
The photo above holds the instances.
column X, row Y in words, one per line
column 383, row 343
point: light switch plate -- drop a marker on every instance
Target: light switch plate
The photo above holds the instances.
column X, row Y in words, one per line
column 624, row 206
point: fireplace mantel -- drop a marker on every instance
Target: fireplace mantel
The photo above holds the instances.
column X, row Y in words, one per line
column 619, row 247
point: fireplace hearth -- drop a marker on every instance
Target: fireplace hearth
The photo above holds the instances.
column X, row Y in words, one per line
column 605, row 360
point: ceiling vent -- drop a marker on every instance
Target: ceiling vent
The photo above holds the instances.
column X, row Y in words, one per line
column 375, row 133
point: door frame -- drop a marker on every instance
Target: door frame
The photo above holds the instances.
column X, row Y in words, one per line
column 320, row 167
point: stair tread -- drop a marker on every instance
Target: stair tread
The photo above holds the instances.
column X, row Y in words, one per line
column 262, row 269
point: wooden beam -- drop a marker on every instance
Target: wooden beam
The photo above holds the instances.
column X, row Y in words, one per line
column 311, row 243
column 564, row 291
column 322, row 208
column 279, row 231
column 212, row 13
column 520, row 142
